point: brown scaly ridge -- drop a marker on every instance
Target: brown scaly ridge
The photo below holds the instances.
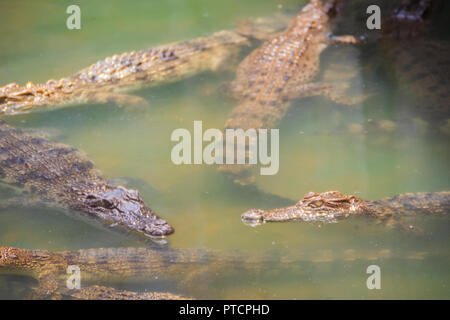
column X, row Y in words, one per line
column 185, row 266
column 55, row 174
column 331, row 206
column 284, row 68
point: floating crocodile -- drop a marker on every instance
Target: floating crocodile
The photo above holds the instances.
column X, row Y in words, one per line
column 54, row 174
column 284, row 68
column 333, row 205
column 107, row 81
column 183, row 265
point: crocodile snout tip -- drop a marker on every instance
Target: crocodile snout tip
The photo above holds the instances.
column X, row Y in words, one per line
column 253, row 217
column 159, row 229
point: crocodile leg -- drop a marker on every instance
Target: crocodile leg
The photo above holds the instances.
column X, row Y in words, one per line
column 329, row 90
column 120, row 99
column 19, row 201
column 48, row 286
column 345, row 39
column 8, row 203
column 394, row 222
column 263, row 28
column 45, row 133
column 247, row 29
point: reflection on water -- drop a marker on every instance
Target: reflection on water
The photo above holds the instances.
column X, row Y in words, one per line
column 323, row 146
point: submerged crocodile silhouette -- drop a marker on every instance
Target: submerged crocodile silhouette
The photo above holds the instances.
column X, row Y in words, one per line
column 184, row 265
column 107, row 80
column 333, row 205
column 418, row 65
column 54, row 174
column 284, row 68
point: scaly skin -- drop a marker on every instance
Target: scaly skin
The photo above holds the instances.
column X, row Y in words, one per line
column 106, row 80
column 184, row 265
column 333, row 205
column 58, row 175
column 284, row 68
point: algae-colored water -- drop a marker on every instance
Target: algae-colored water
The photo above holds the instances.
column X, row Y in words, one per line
column 317, row 153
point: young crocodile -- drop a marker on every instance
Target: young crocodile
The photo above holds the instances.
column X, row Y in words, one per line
column 106, row 80
column 183, row 265
column 284, row 68
column 333, row 205
column 57, row 174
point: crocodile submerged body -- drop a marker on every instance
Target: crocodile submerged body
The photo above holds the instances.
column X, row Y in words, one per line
column 419, row 64
column 333, row 205
column 183, row 265
column 284, row 68
column 54, row 174
column 107, row 80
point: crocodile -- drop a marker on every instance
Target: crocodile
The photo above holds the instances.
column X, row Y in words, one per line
column 108, row 80
column 330, row 206
column 101, row 265
column 284, row 68
column 57, row 175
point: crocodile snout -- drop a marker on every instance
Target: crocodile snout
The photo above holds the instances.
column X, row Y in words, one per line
column 253, row 216
column 159, row 228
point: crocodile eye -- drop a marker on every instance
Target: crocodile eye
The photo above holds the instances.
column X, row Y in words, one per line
column 317, row 203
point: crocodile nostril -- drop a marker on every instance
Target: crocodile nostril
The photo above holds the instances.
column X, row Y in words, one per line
column 252, row 215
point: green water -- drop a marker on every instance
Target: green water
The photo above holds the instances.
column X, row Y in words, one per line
column 203, row 205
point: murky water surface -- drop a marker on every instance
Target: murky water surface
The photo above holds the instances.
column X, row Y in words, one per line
column 321, row 148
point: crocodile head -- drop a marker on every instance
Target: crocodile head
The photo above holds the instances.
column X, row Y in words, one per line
column 124, row 207
column 326, row 207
